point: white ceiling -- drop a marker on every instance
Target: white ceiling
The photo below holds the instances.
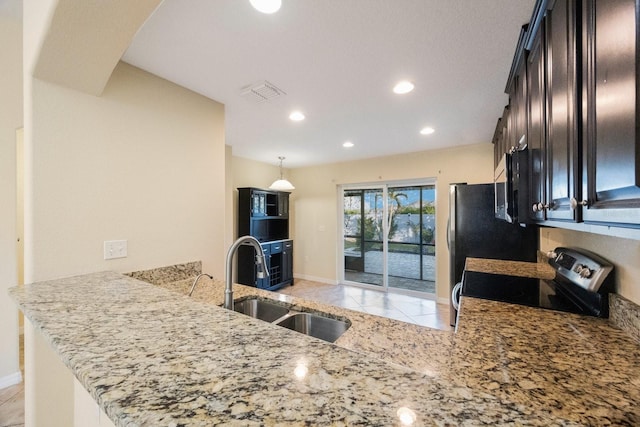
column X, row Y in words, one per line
column 337, row 61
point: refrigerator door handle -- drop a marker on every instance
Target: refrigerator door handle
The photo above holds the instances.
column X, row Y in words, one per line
column 449, row 233
column 455, row 295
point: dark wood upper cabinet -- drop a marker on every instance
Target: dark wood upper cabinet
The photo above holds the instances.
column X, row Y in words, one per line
column 536, row 125
column 561, row 55
column 518, row 105
column 611, row 156
column 577, row 93
column 498, row 149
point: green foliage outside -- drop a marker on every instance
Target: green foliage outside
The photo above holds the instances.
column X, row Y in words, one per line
column 373, row 226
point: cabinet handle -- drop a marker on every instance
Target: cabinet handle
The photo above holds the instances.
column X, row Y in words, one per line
column 540, row 207
column 574, row 203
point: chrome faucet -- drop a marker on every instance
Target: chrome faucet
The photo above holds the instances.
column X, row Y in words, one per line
column 260, row 265
column 196, row 281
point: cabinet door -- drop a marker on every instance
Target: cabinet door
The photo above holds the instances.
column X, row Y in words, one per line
column 287, row 261
column 258, row 203
column 536, row 126
column 561, row 87
column 264, row 282
column 283, row 204
column 506, row 137
column 519, row 107
column 498, row 149
column 611, row 156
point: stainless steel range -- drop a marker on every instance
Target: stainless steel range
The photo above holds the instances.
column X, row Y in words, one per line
column 582, row 284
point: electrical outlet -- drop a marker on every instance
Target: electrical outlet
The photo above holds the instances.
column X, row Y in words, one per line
column 115, row 249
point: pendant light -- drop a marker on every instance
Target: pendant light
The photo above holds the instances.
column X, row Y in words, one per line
column 266, row 6
column 281, row 184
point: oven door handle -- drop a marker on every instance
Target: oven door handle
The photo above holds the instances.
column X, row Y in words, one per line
column 455, row 295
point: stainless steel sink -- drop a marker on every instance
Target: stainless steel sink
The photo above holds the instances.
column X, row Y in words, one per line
column 315, row 325
column 260, row 309
column 325, row 328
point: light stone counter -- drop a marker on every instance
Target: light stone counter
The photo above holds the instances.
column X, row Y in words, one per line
column 152, row 357
column 387, row 339
column 562, row 365
column 535, row 270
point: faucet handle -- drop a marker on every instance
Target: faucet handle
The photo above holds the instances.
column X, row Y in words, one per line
column 261, row 267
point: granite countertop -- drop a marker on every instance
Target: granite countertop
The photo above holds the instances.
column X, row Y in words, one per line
column 188, row 361
column 535, row 270
column 387, row 339
column 562, row 365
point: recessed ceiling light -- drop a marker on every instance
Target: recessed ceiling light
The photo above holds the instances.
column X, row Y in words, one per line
column 266, row 6
column 296, row 116
column 427, row 131
column 403, row 87
column 348, row 144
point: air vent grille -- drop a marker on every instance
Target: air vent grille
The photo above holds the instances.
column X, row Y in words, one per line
column 261, row 92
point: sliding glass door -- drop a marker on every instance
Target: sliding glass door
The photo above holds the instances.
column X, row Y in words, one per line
column 389, row 236
column 363, row 232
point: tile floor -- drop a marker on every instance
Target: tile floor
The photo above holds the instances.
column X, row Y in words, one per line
column 406, row 308
column 12, row 399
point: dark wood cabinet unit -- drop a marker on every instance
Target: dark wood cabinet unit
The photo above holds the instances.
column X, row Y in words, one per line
column 517, row 90
column 581, row 109
column 497, row 144
column 536, row 126
column 552, row 125
column 562, row 111
column 501, row 137
column 516, row 164
column 264, row 214
column 287, row 261
column 611, row 169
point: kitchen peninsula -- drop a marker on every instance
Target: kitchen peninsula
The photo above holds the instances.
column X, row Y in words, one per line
column 152, row 357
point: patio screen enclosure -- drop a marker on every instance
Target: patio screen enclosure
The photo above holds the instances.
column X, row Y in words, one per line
column 389, row 236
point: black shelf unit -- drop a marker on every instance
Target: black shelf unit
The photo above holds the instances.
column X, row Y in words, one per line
column 264, row 214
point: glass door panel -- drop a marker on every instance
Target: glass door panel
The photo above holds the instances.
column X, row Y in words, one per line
column 389, row 237
column 406, row 232
column 363, row 230
column 353, row 243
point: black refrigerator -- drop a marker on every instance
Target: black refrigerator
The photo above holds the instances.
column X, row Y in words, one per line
column 474, row 231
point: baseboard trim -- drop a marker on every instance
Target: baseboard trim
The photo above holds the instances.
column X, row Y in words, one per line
column 315, row 279
column 10, row 380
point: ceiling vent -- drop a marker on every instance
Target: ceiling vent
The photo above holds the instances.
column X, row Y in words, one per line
column 261, row 92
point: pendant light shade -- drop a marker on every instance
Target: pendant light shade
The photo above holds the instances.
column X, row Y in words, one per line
column 266, row 6
column 281, row 184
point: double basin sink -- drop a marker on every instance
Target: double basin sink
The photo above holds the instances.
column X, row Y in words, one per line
column 313, row 324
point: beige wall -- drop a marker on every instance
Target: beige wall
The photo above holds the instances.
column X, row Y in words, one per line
column 143, row 162
column 10, row 121
column 315, row 201
column 623, row 253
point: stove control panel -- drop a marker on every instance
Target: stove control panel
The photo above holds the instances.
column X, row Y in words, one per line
column 581, row 267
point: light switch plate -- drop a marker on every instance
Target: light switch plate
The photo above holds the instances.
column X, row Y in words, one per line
column 115, row 249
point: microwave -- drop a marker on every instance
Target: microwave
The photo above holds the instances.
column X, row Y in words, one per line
column 512, row 187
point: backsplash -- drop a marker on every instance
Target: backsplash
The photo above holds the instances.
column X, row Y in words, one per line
column 172, row 273
column 622, row 253
column 625, row 315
